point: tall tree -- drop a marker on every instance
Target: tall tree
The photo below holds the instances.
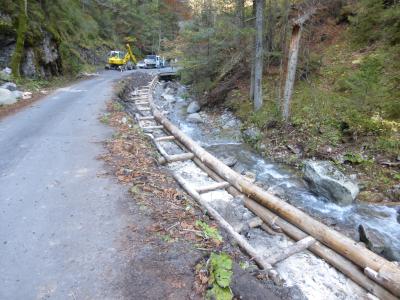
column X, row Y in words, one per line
column 252, row 59
column 259, row 57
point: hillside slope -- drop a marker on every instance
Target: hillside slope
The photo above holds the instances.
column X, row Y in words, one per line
column 65, row 36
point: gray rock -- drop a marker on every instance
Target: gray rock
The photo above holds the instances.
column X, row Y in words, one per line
column 7, row 97
column 326, row 180
column 168, row 98
column 252, row 134
column 7, row 71
column 17, row 94
column 394, row 192
column 193, row 107
column 194, row 118
column 11, row 86
column 250, row 176
column 232, row 123
column 230, row 161
column 239, row 168
column 371, row 238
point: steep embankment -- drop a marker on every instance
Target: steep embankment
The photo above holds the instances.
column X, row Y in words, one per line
column 345, row 105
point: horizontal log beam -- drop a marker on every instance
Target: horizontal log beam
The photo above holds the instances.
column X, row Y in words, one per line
column 180, row 157
column 165, row 138
column 291, row 250
column 213, row 187
column 153, row 127
column 149, row 118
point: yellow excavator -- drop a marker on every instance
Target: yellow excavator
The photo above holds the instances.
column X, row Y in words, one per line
column 119, row 60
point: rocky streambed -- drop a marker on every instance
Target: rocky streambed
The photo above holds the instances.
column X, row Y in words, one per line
column 220, row 133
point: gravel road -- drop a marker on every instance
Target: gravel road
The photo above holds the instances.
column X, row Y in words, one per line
column 61, row 219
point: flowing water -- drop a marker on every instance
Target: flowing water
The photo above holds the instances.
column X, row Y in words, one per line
column 220, row 135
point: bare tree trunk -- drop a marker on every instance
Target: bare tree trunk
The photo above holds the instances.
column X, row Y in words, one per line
column 258, row 65
column 282, row 45
column 292, row 62
column 240, row 13
column 252, row 59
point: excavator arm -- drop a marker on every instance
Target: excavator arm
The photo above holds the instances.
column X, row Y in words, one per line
column 129, row 55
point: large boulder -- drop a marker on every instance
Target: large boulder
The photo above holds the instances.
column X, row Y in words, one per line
column 193, row 107
column 9, row 86
column 7, row 97
column 195, row 118
column 326, row 180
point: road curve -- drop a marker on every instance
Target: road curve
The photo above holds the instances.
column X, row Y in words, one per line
column 60, row 220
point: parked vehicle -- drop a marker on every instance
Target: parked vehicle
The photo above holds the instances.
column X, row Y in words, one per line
column 141, row 64
column 154, row 61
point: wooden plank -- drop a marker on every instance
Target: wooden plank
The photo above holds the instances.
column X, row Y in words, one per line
column 152, row 127
column 291, row 250
column 213, row 187
column 180, row 157
column 164, row 138
column 149, row 118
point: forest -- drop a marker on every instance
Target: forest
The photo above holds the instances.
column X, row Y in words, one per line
column 324, row 75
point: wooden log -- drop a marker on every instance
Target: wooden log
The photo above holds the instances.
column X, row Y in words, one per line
column 144, row 108
column 165, row 138
column 146, row 118
column 337, row 261
column 180, row 157
column 255, row 222
column 291, row 250
column 213, row 187
column 330, row 237
column 152, row 127
column 242, row 242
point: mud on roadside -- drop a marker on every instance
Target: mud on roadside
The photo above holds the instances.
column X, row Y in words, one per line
column 164, row 242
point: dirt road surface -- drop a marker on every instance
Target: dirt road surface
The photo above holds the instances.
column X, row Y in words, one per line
column 66, row 230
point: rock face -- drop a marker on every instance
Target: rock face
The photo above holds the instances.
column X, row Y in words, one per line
column 193, row 107
column 7, row 97
column 328, row 181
